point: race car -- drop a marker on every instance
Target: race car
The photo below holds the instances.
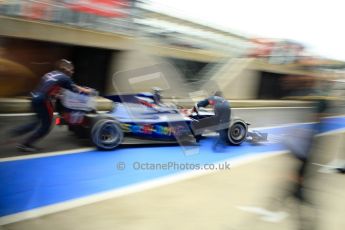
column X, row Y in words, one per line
column 139, row 116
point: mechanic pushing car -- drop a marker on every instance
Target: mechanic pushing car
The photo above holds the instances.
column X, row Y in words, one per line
column 48, row 88
column 219, row 122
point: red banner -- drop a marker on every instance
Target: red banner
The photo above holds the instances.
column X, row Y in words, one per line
column 105, row 8
column 36, row 10
column 262, row 47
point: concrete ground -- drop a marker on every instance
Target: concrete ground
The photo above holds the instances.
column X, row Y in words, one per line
column 214, row 201
column 249, row 196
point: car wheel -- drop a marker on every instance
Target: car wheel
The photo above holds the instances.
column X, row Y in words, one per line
column 237, row 133
column 106, row 134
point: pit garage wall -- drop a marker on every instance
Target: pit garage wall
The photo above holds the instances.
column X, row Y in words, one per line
column 136, row 71
column 243, row 85
column 92, row 66
column 23, row 62
column 273, row 85
column 257, row 84
column 127, row 61
column 234, row 77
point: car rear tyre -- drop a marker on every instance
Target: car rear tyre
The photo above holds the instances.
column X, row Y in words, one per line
column 237, row 132
column 106, row 134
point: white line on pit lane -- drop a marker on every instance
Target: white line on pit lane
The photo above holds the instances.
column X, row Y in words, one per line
column 17, row 114
column 265, row 214
column 47, row 154
column 30, row 114
column 251, row 108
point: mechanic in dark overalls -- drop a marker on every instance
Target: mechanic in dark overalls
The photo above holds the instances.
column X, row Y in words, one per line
column 49, row 87
column 219, row 122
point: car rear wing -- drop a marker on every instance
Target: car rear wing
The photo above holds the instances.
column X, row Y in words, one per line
column 78, row 101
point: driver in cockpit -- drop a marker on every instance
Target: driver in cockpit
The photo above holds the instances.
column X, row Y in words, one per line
column 157, row 95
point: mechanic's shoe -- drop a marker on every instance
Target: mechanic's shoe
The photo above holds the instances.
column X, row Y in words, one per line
column 197, row 138
column 26, row 148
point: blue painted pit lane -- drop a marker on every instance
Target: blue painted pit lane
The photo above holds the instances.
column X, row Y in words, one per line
column 332, row 124
column 33, row 183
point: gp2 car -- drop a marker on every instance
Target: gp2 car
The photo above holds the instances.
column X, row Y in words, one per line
column 138, row 116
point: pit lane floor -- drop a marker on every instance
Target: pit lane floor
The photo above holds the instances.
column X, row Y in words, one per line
column 211, row 201
column 166, row 206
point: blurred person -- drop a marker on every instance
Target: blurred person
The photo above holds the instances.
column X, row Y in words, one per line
column 219, row 122
column 306, row 173
column 49, row 87
column 302, row 145
column 337, row 91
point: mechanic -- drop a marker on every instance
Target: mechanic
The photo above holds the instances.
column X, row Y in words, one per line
column 219, row 122
column 48, row 88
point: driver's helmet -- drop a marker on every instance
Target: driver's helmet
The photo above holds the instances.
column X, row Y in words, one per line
column 156, row 90
column 157, row 94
